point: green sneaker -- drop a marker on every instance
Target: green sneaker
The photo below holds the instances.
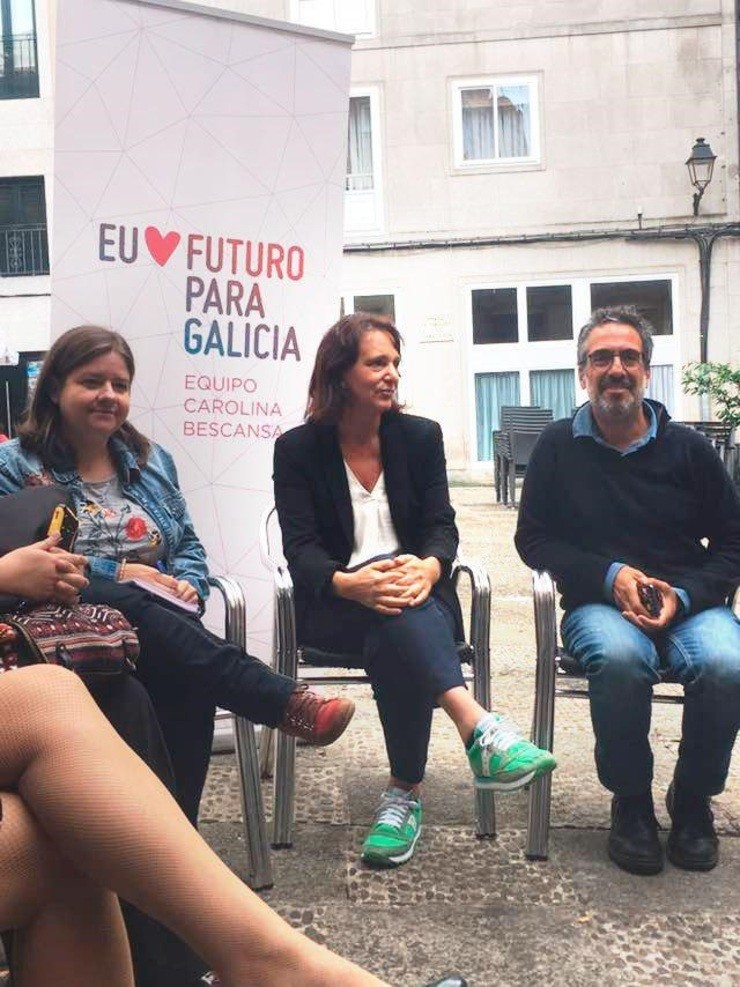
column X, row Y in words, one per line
column 502, row 759
column 395, row 830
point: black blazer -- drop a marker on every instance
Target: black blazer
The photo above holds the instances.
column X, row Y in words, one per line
column 315, row 511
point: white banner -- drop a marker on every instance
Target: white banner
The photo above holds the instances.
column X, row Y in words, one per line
column 199, row 174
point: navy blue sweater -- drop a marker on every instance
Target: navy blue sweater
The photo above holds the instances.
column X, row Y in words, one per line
column 669, row 509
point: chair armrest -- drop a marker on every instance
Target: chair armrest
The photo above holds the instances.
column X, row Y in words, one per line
column 285, row 658
column 267, row 552
column 235, row 606
column 286, row 647
column 545, row 622
column 543, row 592
column 480, row 623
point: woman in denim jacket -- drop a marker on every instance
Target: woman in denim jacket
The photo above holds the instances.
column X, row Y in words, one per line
column 134, row 525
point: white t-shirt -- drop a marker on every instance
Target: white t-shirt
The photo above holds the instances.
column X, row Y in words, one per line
column 374, row 533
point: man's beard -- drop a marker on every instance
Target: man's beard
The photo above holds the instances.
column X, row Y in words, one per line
column 620, row 406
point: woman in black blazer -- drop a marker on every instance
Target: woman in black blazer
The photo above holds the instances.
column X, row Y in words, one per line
column 370, row 537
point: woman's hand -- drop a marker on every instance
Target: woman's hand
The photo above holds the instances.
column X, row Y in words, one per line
column 376, row 585
column 179, row 588
column 43, row 572
column 418, row 576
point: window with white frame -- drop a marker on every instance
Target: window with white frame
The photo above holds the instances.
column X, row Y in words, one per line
column 19, row 76
column 523, row 344
column 348, row 16
column 652, row 298
column 363, row 198
column 360, row 145
column 24, row 247
column 496, row 121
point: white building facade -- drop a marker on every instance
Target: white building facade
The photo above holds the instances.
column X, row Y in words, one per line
column 510, row 166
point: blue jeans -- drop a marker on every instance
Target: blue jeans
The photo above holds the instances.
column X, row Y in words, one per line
column 621, row 663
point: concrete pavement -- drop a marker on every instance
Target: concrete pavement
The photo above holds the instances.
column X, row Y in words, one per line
column 479, row 906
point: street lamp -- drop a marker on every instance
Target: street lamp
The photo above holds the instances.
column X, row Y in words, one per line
column 701, row 166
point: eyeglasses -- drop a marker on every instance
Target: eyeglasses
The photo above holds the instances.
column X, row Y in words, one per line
column 601, row 359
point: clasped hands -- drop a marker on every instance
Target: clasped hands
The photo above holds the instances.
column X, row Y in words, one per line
column 388, row 586
column 627, row 597
column 42, row 571
column 179, row 588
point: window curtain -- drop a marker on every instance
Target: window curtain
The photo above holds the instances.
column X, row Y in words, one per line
column 491, row 392
column 513, row 121
column 477, row 124
column 554, row 389
column 661, row 385
column 360, row 145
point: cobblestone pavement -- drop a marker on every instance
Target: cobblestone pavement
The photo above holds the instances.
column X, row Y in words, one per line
column 478, row 905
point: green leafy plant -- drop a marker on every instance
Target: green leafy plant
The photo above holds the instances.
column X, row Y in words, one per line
column 721, row 382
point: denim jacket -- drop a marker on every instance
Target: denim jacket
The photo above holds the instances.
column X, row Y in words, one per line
column 154, row 488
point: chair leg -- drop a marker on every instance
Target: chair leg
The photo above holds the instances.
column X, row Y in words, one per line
column 284, row 783
column 253, row 813
column 480, row 629
column 538, row 825
column 282, row 813
column 259, row 875
column 267, row 752
column 538, row 819
column 512, row 484
column 485, row 815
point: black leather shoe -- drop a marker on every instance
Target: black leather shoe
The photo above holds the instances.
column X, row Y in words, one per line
column 633, row 840
column 451, row 980
column 692, row 842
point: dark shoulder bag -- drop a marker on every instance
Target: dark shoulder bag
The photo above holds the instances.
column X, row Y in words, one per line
column 91, row 639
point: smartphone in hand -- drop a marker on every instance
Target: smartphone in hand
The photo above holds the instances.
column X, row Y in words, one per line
column 64, row 523
column 651, row 598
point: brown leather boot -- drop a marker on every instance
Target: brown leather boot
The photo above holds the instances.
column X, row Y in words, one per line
column 316, row 720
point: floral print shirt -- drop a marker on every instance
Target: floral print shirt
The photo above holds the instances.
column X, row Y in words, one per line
column 114, row 527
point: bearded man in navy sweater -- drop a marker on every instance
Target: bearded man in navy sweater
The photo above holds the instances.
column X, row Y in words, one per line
column 638, row 521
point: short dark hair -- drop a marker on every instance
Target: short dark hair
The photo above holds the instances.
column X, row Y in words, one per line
column 41, row 431
column 337, row 352
column 626, row 314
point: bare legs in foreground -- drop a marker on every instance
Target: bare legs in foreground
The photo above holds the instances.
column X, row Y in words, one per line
column 86, row 815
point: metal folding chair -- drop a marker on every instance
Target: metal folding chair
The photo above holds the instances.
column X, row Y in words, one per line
column 291, row 659
column 557, row 674
column 513, row 444
column 259, row 864
column 722, row 437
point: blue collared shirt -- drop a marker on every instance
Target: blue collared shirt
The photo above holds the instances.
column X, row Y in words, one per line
column 584, row 426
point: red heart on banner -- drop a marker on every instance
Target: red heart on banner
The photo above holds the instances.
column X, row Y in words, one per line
column 161, row 247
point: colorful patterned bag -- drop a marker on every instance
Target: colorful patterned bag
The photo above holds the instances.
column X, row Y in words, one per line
column 91, row 639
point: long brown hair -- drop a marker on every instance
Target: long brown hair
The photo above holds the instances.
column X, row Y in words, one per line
column 42, row 432
column 337, row 352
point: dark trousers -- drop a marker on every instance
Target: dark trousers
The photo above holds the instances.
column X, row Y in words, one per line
column 188, row 671
column 410, row 660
